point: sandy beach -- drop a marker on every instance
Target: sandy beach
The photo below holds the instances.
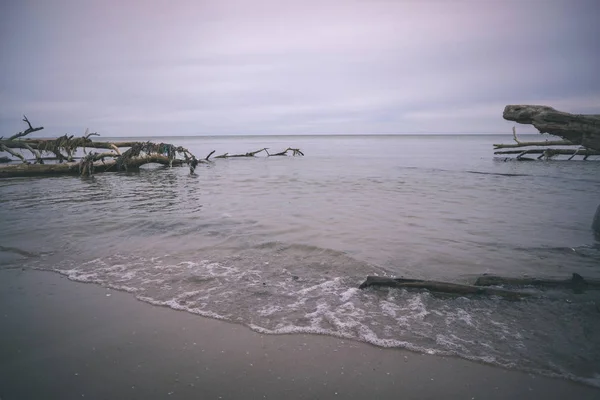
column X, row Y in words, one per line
column 68, row 340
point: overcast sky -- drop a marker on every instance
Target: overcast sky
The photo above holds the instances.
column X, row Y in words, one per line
column 172, row 67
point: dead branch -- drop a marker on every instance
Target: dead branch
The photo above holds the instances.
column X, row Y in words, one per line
column 250, row 154
column 65, row 147
column 26, row 132
column 550, row 152
column 295, row 152
column 13, row 153
column 36, row 154
column 533, row 144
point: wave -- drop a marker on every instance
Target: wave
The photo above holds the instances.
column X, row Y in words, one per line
column 278, row 288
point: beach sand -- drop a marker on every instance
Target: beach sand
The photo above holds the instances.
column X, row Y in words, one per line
column 66, row 340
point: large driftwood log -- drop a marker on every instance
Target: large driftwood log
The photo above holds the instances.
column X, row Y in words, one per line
column 79, row 168
column 578, row 129
column 65, row 148
column 440, row 287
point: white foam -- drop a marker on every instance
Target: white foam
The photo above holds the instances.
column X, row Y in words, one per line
column 268, row 310
column 180, row 307
column 348, row 294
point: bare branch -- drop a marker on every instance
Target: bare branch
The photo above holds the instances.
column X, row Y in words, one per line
column 27, row 121
column 13, row 153
column 27, row 131
column 295, row 152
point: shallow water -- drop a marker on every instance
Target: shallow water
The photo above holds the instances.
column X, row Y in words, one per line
column 281, row 244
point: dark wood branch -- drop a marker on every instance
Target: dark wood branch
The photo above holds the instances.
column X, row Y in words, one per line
column 250, row 154
column 26, row 132
column 577, row 282
column 27, row 122
column 440, row 287
column 209, row 154
column 295, row 152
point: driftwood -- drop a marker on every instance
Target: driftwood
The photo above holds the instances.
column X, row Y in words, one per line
column 64, row 150
column 549, row 153
column 596, row 223
column 579, row 133
column 577, row 282
column 441, row 287
column 249, row 154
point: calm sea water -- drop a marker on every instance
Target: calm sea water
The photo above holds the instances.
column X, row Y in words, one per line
column 281, row 244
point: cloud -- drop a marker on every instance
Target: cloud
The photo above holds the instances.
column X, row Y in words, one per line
column 234, row 67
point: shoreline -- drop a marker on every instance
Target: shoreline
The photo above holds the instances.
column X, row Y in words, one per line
column 65, row 339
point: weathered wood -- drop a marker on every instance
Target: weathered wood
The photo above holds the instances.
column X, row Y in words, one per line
column 596, row 223
column 551, row 152
column 73, row 168
column 26, row 132
column 295, row 152
column 533, row 144
column 579, row 129
column 577, row 282
column 13, row 153
column 136, row 155
column 440, row 287
column 249, row 154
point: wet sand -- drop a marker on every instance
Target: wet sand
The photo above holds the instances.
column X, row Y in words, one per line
column 66, row 340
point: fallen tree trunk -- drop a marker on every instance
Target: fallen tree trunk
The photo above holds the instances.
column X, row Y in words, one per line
column 579, row 129
column 76, row 168
column 65, row 148
column 440, row 287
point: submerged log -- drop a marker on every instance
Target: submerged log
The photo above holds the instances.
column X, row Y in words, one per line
column 596, row 223
column 577, row 282
column 578, row 129
column 441, row 287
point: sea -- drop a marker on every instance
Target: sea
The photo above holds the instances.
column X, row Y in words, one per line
column 281, row 244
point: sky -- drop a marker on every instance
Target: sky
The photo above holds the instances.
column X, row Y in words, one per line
column 222, row 67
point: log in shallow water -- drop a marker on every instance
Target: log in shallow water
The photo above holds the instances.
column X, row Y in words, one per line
column 441, row 287
column 577, row 282
column 65, row 147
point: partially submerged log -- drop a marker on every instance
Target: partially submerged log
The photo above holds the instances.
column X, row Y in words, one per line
column 580, row 133
column 596, row 223
column 65, row 148
column 441, row 287
column 549, row 153
column 577, row 282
